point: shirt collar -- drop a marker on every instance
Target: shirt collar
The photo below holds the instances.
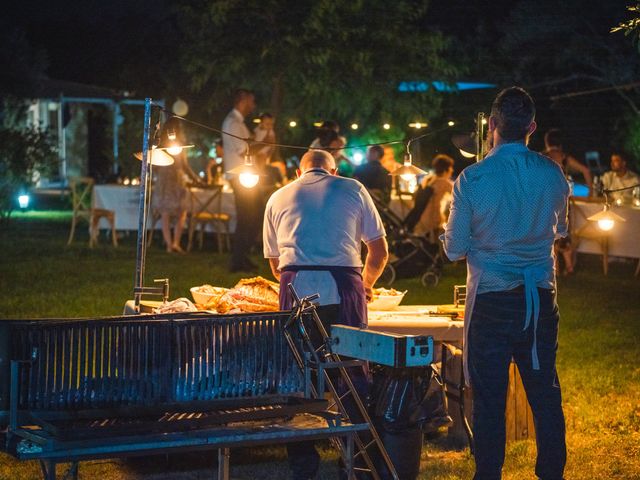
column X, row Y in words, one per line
column 512, row 147
column 319, row 171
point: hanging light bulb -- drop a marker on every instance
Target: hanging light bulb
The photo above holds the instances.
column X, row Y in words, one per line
column 386, row 126
column 174, row 150
column 248, row 174
column 248, row 180
column 606, row 218
column 171, row 135
column 408, row 171
column 156, row 156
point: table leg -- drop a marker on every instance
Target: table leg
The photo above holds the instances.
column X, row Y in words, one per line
column 223, row 463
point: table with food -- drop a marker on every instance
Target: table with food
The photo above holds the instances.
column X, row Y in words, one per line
column 386, row 314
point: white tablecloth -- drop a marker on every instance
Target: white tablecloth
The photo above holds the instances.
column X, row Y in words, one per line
column 624, row 239
column 413, row 320
column 124, row 200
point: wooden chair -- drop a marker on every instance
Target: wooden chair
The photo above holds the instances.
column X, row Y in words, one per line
column 81, row 190
column 208, row 211
column 588, row 231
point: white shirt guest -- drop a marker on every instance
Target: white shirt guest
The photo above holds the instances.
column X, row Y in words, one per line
column 620, row 177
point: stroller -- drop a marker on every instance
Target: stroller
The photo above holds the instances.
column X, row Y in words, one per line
column 409, row 255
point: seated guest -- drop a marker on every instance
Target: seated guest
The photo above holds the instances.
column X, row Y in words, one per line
column 373, row 175
column 553, row 143
column 620, row 177
column 433, row 216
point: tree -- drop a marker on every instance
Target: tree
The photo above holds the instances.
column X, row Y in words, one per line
column 25, row 154
column 315, row 60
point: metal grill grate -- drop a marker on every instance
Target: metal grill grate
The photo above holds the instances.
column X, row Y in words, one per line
column 121, row 361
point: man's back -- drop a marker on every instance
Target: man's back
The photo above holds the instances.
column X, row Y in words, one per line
column 320, row 219
column 374, row 176
column 515, row 204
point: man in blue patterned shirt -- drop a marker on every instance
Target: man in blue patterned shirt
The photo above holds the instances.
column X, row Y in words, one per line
column 506, row 212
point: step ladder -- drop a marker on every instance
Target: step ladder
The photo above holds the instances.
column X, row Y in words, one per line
column 320, row 360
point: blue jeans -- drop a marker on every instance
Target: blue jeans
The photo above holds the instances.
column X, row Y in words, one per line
column 495, row 337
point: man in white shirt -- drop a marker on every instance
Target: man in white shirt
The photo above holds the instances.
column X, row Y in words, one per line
column 620, row 177
column 247, row 200
column 313, row 231
column 506, row 212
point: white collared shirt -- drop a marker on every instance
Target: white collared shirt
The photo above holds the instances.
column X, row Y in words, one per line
column 612, row 181
column 507, row 209
column 320, row 219
column 234, row 148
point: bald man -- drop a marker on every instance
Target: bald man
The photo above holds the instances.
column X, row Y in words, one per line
column 313, row 231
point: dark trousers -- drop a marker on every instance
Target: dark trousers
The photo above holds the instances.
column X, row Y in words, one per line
column 248, row 215
column 495, row 337
column 303, row 456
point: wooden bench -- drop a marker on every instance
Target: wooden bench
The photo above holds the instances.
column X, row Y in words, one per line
column 73, row 390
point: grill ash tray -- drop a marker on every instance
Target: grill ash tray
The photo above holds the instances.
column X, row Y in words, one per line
column 177, row 417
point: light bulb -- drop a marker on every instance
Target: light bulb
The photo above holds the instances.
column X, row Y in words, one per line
column 358, row 157
column 354, row 126
column 386, row 126
column 248, row 180
column 293, row 123
column 171, row 135
column 619, row 201
column 605, row 224
column 23, row 201
column 484, row 121
column 407, row 177
column 467, row 154
column 451, row 123
column 174, row 150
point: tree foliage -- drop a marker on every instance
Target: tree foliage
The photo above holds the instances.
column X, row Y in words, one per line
column 25, row 154
column 316, row 59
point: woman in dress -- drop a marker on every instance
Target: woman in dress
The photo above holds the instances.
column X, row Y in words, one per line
column 171, row 194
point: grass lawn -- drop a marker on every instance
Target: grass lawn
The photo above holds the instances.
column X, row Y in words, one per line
column 598, row 359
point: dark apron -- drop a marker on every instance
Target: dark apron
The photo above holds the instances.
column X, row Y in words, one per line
column 353, row 303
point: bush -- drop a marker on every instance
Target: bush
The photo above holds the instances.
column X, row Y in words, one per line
column 25, row 154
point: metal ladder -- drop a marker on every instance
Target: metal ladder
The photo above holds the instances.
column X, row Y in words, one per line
column 321, row 359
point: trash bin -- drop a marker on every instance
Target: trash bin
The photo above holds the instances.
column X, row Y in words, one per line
column 403, row 402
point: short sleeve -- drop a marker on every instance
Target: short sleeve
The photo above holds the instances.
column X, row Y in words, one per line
column 269, row 237
column 372, row 227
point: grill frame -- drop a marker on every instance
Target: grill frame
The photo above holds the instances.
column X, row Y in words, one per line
column 112, row 364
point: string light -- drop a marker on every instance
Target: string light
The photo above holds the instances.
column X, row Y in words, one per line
column 451, row 123
column 606, row 219
column 354, row 126
column 293, row 123
column 386, row 126
column 248, row 175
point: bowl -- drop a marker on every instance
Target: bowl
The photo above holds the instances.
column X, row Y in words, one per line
column 203, row 297
column 386, row 302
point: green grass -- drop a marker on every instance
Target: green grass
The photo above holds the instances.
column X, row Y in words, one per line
column 598, row 358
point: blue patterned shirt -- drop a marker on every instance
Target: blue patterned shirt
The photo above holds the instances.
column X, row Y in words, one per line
column 506, row 212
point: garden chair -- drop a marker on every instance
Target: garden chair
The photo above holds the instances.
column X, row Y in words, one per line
column 81, row 193
column 207, row 210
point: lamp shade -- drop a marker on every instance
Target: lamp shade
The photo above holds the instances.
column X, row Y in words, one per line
column 606, row 218
column 157, row 156
column 466, row 143
column 408, row 169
